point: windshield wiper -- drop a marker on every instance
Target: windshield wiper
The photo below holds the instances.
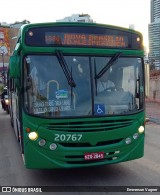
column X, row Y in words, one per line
column 95, row 72
column 65, row 68
column 108, row 65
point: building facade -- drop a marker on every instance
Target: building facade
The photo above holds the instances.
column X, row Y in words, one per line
column 77, row 18
column 8, row 34
column 154, row 35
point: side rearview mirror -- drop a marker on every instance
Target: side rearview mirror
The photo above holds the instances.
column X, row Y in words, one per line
column 14, row 66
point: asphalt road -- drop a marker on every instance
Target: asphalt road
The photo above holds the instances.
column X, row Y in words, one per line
column 141, row 172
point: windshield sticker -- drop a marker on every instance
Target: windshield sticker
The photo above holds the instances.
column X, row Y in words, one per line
column 99, row 109
column 61, row 94
column 51, row 106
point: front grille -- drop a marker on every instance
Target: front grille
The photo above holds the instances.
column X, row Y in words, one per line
column 104, row 143
column 88, row 126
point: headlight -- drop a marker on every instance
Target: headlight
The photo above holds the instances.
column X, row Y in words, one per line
column 128, row 140
column 6, row 101
column 141, row 129
column 135, row 136
column 33, row 136
column 53, row 146
column 42, row 142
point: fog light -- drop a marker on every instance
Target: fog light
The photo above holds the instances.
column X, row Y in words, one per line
column 135, row 136
column 141, row 129
column 33, row 136
column 42, row 142
column 53, row 146
column 128, row 140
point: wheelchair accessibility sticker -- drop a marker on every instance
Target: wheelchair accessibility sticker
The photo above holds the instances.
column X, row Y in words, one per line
column 61, row 94
column 99, row 109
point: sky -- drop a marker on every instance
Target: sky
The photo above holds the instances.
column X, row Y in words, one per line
column 113, row 12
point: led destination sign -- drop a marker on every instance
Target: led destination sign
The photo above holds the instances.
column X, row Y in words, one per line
column 82, row 36
column 86, row 39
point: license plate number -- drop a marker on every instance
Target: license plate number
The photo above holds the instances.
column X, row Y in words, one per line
column 94, row 156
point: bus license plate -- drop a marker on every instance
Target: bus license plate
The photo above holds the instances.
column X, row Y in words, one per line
column 94, row 156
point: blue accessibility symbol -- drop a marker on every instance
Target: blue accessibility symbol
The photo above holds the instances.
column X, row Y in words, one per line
column 99, row 109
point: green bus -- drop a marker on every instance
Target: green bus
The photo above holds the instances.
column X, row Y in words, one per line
column 77, row 94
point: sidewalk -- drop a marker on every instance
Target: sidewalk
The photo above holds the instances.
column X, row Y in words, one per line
column 153, row 111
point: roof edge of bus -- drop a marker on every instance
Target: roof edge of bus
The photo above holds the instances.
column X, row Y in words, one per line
column 79, row 24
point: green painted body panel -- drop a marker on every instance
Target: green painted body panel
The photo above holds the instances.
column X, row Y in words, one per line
column 110, row 139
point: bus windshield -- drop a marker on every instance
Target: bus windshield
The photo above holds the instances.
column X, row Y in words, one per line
column 47, row 92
